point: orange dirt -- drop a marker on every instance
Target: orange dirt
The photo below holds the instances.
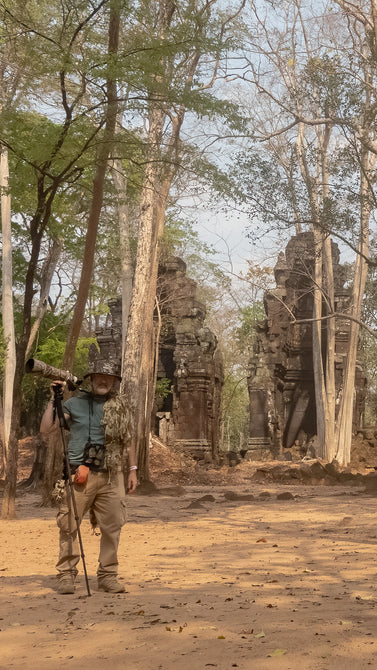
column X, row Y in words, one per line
column 224, row 574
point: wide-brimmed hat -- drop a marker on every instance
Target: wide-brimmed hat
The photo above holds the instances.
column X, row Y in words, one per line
column 101, row 367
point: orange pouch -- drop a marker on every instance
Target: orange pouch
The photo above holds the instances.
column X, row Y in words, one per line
column 81, row 475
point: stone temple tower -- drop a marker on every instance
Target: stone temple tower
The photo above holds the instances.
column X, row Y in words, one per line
column 189, row 362
column 281, row 379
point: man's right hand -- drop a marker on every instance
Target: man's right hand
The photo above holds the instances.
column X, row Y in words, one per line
column 49, row 422
column 55, row 386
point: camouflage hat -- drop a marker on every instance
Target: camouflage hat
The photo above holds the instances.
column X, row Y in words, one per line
column 101, row 367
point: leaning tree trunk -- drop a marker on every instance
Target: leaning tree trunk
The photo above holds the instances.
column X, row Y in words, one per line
column 139, row 363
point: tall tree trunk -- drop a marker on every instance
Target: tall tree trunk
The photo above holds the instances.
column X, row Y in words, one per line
column 139, row 364
column 149, row 357
column 2, row 440
column 319, row 377
column 346, row 408
column 329, row 307
column 53, row 467
column 328, row 304
column 98, row 187
column 139, row 349
column 323, row 293
column 8, row 508
column 46, row 189
column 127, row 270
column 7, row 297
column 140, row 327
column 37, row 228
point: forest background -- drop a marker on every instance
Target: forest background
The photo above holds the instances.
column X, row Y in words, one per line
column 123, row 125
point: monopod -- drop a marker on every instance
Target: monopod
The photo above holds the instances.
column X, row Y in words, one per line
column 58, row 396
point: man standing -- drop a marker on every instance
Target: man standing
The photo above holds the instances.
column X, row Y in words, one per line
column 99, row 434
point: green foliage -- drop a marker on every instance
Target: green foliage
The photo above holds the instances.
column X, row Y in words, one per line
column 37, row 146
column 163, row 388
column 152, row 64
column 82, row 355
column 61, row 139
column 275, row 195
column 246, row 332
column 51, row 121
column 324, row 79
column 179, row 238
column 235, row 413
column 35, row 389
column 52, row 349
column 235, row 328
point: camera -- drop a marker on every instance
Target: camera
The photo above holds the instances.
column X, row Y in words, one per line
column 94, row 456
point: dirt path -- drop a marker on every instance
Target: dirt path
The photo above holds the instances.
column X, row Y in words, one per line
column 215, row 583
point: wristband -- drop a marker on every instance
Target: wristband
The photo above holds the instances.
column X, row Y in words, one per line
column 132, row 467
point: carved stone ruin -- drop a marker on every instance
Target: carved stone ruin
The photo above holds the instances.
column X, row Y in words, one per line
column 281, row 379
column 188, row 356
column 188, row 417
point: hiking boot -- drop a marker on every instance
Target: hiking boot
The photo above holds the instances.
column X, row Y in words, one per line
column 66, row 583
column 110, row 584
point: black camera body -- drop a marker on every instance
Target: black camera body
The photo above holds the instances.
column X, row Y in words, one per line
column 94, row 456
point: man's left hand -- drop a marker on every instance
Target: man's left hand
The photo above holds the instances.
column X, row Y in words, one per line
column 131, row 481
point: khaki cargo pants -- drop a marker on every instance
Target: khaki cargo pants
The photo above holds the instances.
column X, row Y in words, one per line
column 106, row 496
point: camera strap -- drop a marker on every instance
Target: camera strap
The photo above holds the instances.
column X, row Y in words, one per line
column 90, row 411
column 91, row 399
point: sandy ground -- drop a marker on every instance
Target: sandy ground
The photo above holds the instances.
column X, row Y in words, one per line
column 211, row 583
